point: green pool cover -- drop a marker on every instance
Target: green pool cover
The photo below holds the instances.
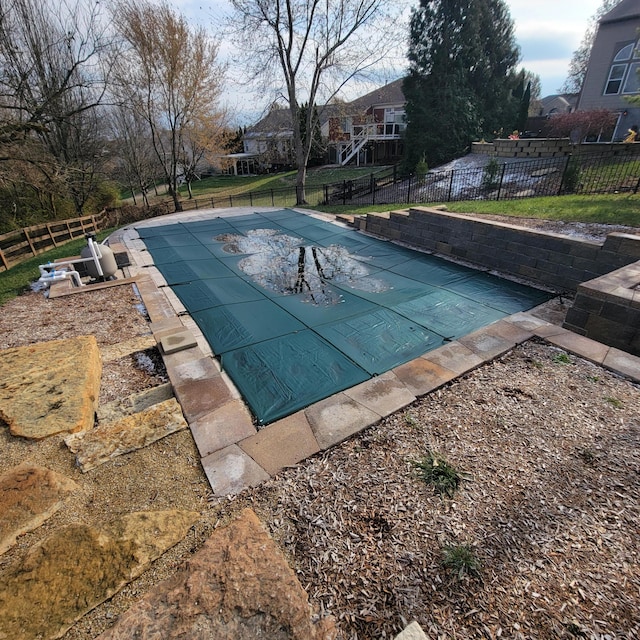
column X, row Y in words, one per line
column 298, row 309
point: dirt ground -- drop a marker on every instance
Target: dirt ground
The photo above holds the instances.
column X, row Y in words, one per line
column 541, row 539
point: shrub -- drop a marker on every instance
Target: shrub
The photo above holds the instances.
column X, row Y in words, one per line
column 421, row 168
column 490, row 178
column 572, row 175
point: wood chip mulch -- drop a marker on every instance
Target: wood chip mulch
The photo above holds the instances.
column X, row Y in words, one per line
column 547, row 511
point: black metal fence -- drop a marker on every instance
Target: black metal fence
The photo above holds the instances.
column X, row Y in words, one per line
column 585, row 173
column 500, row 180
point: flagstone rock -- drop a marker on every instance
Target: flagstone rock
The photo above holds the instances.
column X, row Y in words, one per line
column 95, row 447
column 136, row 402
column 50, row 387
column 238, row 585
column 29, row 495
column 124, row 348
column 78, row 567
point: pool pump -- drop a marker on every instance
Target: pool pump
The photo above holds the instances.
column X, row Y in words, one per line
column 99, row 261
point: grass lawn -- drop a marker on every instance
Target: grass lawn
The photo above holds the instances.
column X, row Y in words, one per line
column 621, row 209
column 222, row 186
column 17, row 279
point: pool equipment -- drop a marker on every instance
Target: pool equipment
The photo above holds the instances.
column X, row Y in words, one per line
column 98, row 258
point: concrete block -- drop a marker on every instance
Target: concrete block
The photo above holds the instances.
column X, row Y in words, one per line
column 231, row 470
column 224, row 426
column 177, row 341
column 337, row 418
column 282, row 444
column 624, row 363
column 384, row 394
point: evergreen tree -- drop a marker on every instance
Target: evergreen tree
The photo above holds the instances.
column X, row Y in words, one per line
column 462, row 55
column 523, row 112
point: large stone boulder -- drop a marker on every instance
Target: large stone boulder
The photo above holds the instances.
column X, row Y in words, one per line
column 80, row 566
column 238, row 585
column 50, row 387
column 28, row 496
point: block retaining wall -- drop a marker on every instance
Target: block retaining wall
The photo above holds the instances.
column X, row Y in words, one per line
column 555, row 261
column 546, row 148
column 524, row 148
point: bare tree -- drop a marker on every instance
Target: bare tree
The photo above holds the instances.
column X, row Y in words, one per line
column 52, row 81
column 136, row 164
column 314, row 47
column 170, row 74
column 202, row 140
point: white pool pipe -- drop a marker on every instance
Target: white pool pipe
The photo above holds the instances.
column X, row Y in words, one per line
column 57, row 271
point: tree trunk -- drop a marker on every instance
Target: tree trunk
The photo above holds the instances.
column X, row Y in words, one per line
column 301, row 158
column 301, row 179
column 176, row 201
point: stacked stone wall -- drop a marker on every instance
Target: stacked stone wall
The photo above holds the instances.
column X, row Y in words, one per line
column 546, row 148
column 607, row 311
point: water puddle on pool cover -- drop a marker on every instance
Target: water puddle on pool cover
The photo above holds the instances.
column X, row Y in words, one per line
column 285, row 264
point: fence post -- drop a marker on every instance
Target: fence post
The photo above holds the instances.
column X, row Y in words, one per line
column 450, row 191
column 504, row 166
column 53, row 240
column 409, row 190
column 344, row 192
column 231, row 201
column 251, row 198
column 33, row 249
column 213, row 204
column 564, row 173
column 272, row 202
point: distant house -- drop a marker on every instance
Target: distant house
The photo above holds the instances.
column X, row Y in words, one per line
column 368, row 130
column 557, row 103
column 270, row 140
column 613, row 71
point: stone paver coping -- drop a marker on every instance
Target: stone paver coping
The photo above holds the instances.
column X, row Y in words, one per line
column 235, row 455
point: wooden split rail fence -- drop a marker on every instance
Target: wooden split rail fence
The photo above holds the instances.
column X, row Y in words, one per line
column 22, row 244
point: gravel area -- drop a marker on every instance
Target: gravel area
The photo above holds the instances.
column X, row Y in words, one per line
column 540, row 540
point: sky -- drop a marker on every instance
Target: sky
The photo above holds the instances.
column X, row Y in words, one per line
column 548, row 32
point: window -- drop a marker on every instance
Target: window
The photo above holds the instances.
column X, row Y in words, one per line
column 624, row 53
column 615, row 79
column 623, row 74
column 632, row 85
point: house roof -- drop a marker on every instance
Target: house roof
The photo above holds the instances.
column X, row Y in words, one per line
column 279, row 119
column 625, row 10
column 563, row 101
column 390, row 94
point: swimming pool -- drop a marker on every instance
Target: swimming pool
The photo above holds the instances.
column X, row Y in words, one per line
column 297, row 308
